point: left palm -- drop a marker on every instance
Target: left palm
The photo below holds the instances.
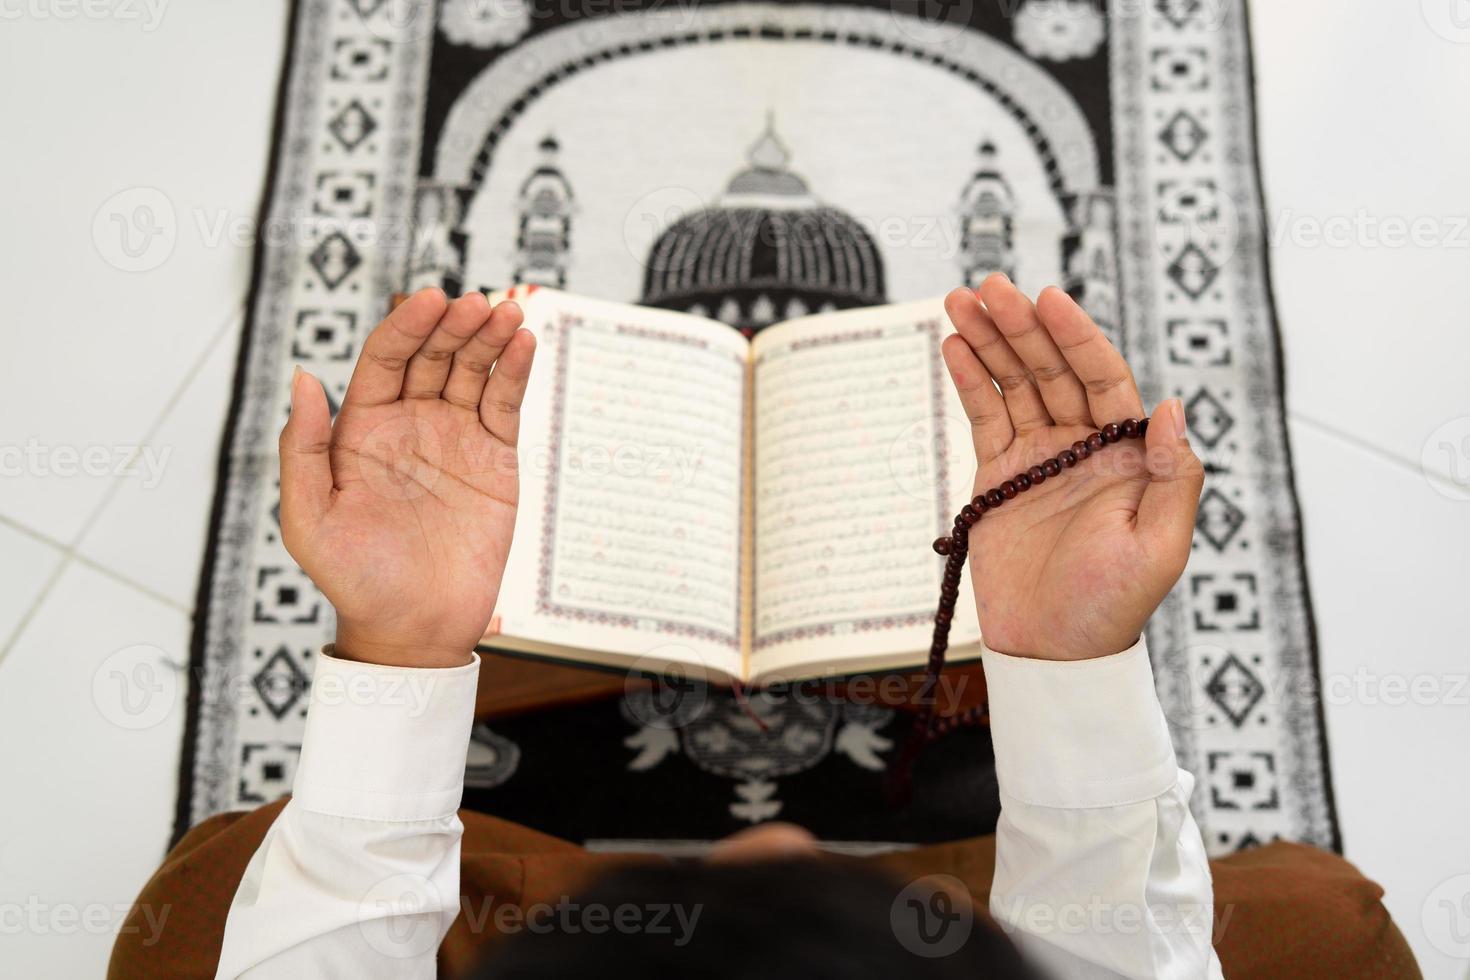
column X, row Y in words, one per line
column 402, row 512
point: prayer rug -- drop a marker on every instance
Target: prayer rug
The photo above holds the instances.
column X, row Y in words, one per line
column 1105, row 145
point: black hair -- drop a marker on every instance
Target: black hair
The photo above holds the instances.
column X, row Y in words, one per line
column 763, row 921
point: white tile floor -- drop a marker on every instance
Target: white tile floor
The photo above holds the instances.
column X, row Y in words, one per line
column 1361, row 113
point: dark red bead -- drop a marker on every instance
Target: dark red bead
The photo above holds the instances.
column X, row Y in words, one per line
column 1022, row 481
column 994, row 498
column 1037, row 474
column 1008, row 490
column 943, row 616
column 1112, row 432
column 1142, row 428
column 1080, row 448
column 1051, row 467
column 971, row 514
column 979, row 503
column 1130, row 428
column 941, row 546
column 1067, row 458
column 1096, row 441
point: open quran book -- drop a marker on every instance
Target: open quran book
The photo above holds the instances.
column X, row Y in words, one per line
column 747, row 510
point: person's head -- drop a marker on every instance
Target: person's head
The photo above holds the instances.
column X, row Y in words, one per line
column 771, row 911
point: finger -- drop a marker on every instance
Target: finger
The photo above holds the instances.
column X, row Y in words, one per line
column 990, row 423
column 472, row 364
column 1166, row 514
column 429, row 368
column 306, row 468
column 378, row 377
column 500, row 408
column 1112, row 393
column 1023, row 401
column 1015, row 316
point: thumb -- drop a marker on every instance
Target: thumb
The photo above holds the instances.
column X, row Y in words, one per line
column 1175, row 477
column 306, row 468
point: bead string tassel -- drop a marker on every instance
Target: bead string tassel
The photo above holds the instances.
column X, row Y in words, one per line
column 955, row 547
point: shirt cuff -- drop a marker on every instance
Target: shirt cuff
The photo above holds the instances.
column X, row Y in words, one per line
column 1080, row 733
column 385, row 743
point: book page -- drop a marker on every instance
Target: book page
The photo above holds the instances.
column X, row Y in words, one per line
column 862, row 456
column 628, row 539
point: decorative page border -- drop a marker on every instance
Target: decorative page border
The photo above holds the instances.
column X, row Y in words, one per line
column 867, row 624
column 561, row 332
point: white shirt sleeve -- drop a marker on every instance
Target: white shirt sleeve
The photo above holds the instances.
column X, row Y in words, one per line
column 359, row 875
column 1100, row 869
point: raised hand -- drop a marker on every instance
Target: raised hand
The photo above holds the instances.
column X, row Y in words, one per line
column 1072, row 569
column 402, row 511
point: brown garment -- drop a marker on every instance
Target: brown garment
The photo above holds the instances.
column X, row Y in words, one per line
column 1284, row 910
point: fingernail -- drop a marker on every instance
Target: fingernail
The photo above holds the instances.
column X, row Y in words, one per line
column 296, row 374
column 1177, row 411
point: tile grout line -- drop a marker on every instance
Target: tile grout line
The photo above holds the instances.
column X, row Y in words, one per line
column 158, row 423
column 69, row 552
column 1357, row 442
